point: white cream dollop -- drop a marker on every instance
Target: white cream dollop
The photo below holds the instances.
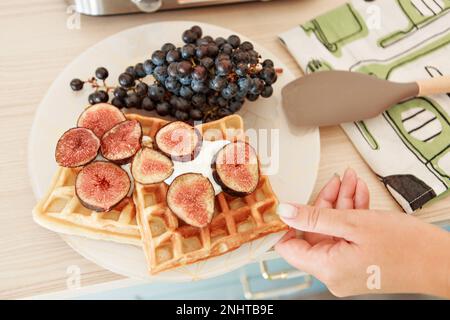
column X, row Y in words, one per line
column 201, row 163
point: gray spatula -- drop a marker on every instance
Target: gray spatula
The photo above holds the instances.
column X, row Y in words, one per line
column 333, row 97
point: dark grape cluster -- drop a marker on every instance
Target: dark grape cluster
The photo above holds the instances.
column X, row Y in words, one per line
column 205, row 79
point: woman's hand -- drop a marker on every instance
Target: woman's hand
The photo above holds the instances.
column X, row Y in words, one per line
column 354, row 250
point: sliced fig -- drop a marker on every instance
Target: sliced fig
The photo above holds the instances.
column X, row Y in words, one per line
column 151, row 166
column 76, row 147
column 191, row 198
column 236, row 169
column 101, row 185
column 100, row 118
column 121, row 142
column 179, row 140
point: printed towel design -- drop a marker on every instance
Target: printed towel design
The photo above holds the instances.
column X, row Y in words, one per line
column 408, row 146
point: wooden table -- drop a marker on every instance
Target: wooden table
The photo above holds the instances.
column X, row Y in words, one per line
column 36, row 45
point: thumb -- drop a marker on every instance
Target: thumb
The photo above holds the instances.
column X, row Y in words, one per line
column 333, row 222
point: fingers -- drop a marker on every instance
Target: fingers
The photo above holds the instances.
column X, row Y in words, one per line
column 347, row 190
column 296, row 253
column 338, row 223
column 362, row 196
column 325, row 199
column 329, row 193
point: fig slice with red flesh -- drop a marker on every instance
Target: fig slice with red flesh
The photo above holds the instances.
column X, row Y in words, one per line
column 151, row 166
column 121, row 142
column 179, row 141
column 102, row 185
column 76, row 147
column 236, row 169
column 191, row 198
column 100, row 118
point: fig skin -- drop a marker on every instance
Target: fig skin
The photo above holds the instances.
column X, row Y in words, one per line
column 185, row 216
column 101, row 123
column 222, row 184
column 111, row 131
column 180, row 158
column 59, row 146
column 134, row 165
column 111, row 205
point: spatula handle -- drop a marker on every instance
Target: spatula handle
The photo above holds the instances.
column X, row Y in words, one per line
column 434, row 86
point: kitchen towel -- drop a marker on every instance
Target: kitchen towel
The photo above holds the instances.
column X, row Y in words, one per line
column 408, row 146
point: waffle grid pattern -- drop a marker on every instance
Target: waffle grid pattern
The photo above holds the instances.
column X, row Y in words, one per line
column 169, row 242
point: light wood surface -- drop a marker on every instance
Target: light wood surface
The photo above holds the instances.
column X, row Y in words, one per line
column 36, row 45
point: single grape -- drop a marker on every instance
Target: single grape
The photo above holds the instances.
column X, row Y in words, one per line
column 267, row 91
column 257, row 86
column 253, row 57
column 181, row 115
column 227, row 49
column 159, row 57
column 141, row 89
column 208, row 39
column 186, row 92
column 197, row 30
column 199, row 73
column 234, row 41
column 199, row 86
column 101, row 73
column 235, row 106
column 244, row 83
column 207, row 62
column 102, row 96
column 240, row 56
column 184, row 68
column 186, row 80
column 241, row 69
column 163, row 108
column 166, row 47
column 139, row 70
column 173, row 56
column 230, row 91
column 118, row 102
column 189, row 36
column 212, row 100
column 213, row 50
column 223, row 67
column 132, row 100
column 201, row 51
column 156, row 92
column 120, row 92
column 92, row 97
column 188, row 51
column 196, row 114
column 149, row 66
column 268, row 75
column 246, row 46
column 252, row 97
column 222, row 102
column 76, row 84
column 147, row 104
column 172, row 69
column 172, row 84
column 198, row 100
column 268, row 63
column 218, row 83
column 130, row 70
column 126, row 80
column 220, row 41
column 160, row 73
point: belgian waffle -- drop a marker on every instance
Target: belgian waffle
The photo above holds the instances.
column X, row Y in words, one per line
column 169, row 242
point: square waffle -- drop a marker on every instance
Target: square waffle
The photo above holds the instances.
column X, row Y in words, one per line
column 169, row 242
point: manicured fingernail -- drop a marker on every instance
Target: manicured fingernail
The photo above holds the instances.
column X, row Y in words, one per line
column 287, row 210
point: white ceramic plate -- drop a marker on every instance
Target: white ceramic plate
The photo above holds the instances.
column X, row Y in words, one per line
column 294, row 152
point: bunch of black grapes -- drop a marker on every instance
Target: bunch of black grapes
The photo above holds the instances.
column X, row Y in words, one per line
column 205, row 79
